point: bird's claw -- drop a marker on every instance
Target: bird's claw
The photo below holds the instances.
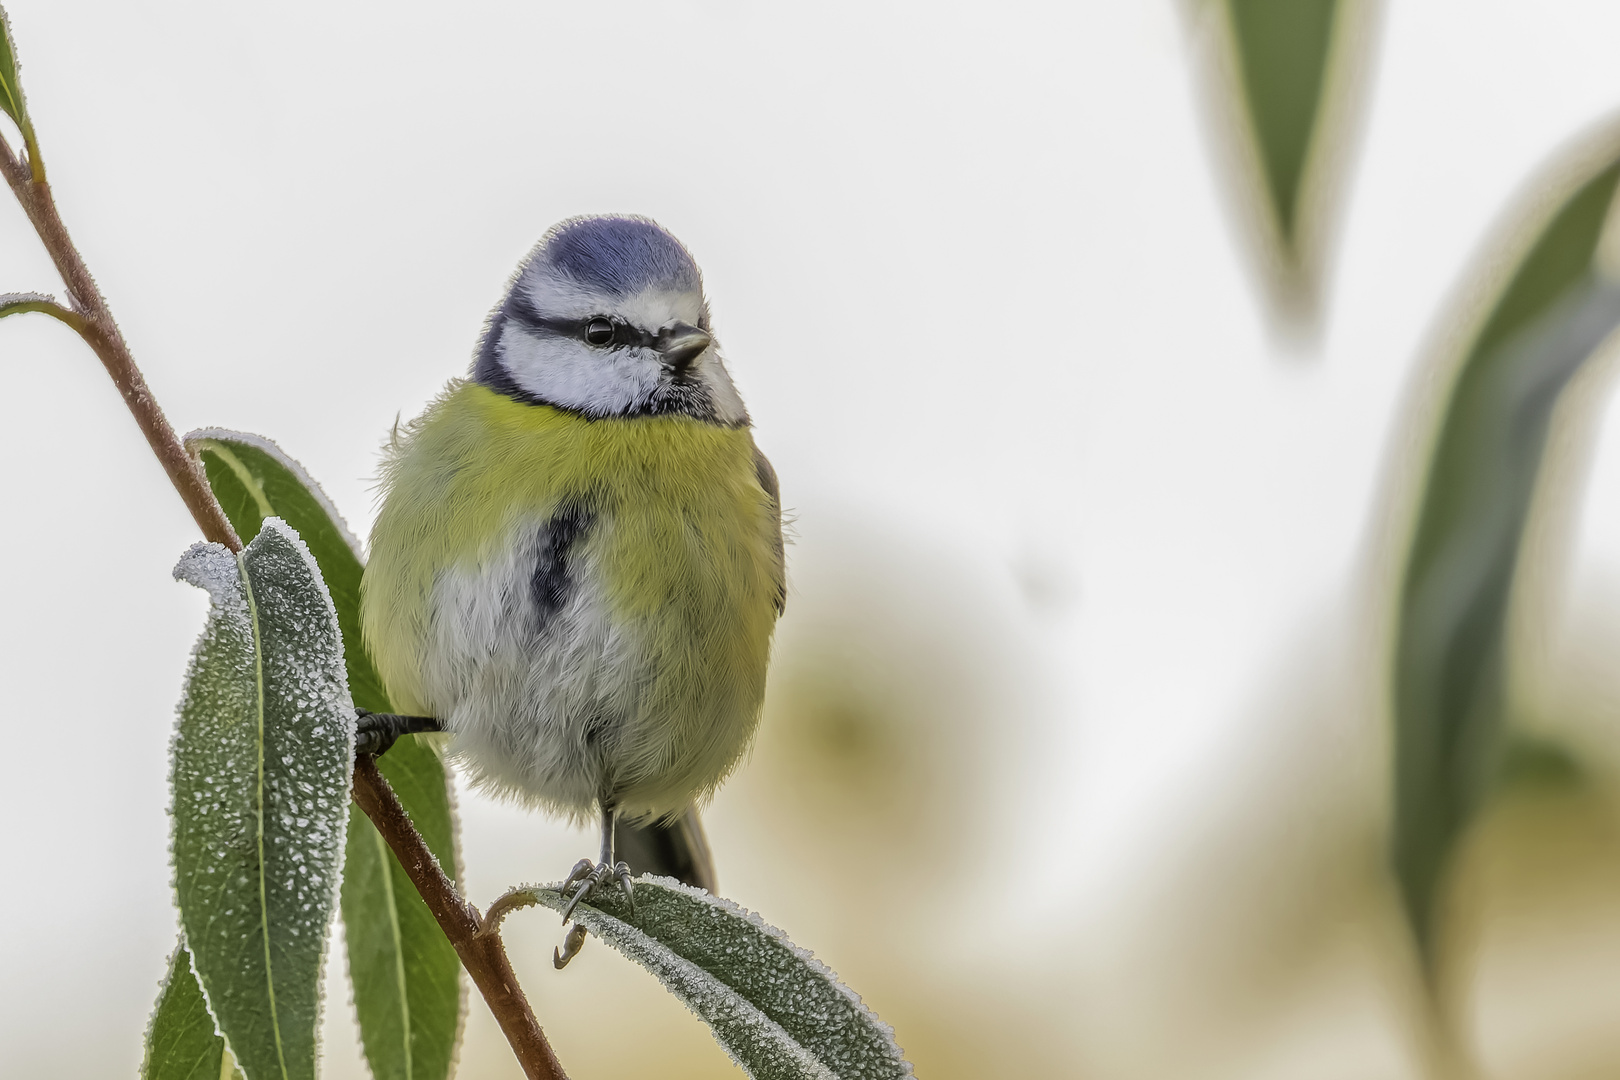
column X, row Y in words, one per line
column 622, row 873
column 588, row 876
column 574, row 942
column 580, row 872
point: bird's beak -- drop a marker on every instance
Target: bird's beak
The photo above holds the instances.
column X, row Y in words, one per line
column 681, row 344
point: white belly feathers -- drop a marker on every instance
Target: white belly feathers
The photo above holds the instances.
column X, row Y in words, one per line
column 537, row 694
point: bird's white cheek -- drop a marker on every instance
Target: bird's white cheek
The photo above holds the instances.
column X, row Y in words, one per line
column 575, row 376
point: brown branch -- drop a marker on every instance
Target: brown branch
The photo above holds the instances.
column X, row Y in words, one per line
column 8, row 160
column 482, row 954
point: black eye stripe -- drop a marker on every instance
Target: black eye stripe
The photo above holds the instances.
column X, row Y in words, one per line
column 521, row 311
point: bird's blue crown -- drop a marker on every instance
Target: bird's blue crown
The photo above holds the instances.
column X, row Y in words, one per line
column 619, row 255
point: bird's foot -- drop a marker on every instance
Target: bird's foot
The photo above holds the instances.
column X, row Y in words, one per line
column 375, row 732
column 586, row 876
column 584, row 879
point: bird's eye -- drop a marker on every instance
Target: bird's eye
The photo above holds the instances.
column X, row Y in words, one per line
column 598, row 332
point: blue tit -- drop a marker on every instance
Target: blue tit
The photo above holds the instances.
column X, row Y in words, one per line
column 577, row 565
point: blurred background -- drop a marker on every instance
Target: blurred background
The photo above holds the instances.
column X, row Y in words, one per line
column 1102, row 351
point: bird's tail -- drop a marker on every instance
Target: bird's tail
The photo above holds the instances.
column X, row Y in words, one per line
column 677, row 849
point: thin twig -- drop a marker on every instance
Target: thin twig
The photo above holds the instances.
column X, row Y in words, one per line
column 481, row 954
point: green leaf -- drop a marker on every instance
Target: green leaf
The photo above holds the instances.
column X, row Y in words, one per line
column 779, row 1013
column 11, row 95
column 181, row 1043
column 1283, row 48
column 1449, row 666
column 405, row 974
column 261, row 770
column 254, row 479
column 12, row 101
column 1283, row 78
column 17, row 303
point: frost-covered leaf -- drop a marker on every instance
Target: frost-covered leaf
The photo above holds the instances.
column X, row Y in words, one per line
column 181, row 1043
column 780, row 1013
column 1557, row 308
column 261, row 772
column 19, row 303
column 405, row 974
column 16, row 303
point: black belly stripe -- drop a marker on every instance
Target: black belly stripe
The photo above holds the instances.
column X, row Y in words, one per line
column 552, row 584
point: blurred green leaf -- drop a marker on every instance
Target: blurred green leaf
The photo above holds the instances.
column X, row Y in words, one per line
column 262, row 759
column 1283, row 49
column 1529, row 762
column 780, row 1013
column 181, row 1043
column 405, row 974
column 1449, row 665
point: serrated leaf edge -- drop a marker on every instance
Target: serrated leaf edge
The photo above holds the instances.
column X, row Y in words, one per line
column 157, row 1006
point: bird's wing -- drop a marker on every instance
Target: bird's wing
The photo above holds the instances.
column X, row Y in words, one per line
column 767, row 480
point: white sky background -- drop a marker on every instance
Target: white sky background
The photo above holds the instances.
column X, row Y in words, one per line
column 971, row 267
